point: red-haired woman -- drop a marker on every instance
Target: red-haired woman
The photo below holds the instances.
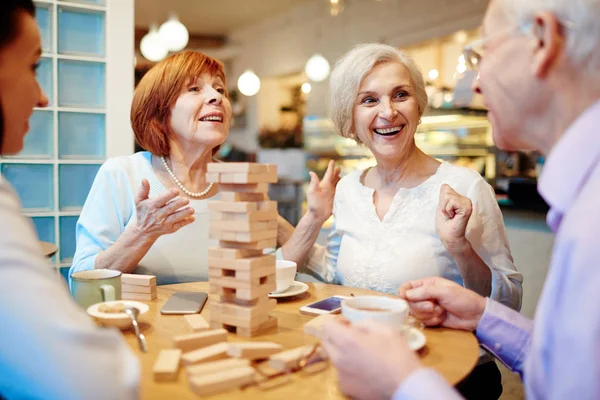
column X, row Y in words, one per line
column 147, row 213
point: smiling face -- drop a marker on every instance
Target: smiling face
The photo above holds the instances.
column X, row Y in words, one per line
column 20, row 89
column 202, row 113
column 386, row 113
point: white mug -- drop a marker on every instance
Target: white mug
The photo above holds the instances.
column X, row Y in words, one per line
column 285, row 273
column 385, row 310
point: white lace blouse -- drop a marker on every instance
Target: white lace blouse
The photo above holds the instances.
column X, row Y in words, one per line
column 365, row 252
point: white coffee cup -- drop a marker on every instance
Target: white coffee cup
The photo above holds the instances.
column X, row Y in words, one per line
column 384, row 310
column 285, row 273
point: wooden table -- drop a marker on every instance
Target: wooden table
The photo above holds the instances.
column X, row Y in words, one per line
column 452, row 353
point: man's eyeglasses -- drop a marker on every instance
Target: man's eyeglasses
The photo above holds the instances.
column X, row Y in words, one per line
column 473, row 52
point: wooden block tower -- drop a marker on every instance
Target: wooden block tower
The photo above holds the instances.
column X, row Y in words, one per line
column 245, row 222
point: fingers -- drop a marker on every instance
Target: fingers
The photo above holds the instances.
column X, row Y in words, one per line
column 427, row 293
column 452, row 203
column 163, row 198
column 329, row 172
column 314, row 182
column 174, row 205
column 143, row 191
column 180, row 218
column 427, row 311
column 406, row 286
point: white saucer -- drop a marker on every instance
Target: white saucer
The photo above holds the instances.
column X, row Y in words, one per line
column 294, row 290
column 415, row 338
column 120, row 320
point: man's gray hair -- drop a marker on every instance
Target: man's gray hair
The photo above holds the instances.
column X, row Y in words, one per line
column 581, row 18
column 350, row 71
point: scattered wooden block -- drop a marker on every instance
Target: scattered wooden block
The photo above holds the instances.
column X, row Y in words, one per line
column 252, row 216
column 166, row 365
column 253, row 350
column 222, row 381
column 213, row 352
column 261, row 244
column 138, row 289
column 242, row 226
column 232, row 254
column 138, row 280
column 241, row 188
column 192, row 341
column 138, row 296
column 215, row 366
column 242, row 206
column 289, row 359
column 243, row 197
column 239, row 167
column 314, row 327
column 196, row 322
column 242, row 264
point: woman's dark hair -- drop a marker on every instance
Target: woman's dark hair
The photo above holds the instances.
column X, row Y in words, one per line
column 9, row 29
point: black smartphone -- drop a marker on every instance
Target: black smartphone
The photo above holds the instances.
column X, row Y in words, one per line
column 185, row 303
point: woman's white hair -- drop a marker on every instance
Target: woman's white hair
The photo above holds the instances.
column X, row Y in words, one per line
column 349, row 72
column 581, row 19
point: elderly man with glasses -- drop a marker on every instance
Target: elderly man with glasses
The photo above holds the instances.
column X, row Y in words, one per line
column 540, row 80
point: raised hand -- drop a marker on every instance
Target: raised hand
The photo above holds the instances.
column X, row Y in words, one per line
column 320, row 194
column 438, row 301
column 162, row 214
column 451, row 219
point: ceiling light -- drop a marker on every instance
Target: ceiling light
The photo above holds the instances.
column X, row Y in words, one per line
column 152, row 46
column 433, row 74
column 317, row 68
column 306, row 88
column 248, row 83
column 174, row 34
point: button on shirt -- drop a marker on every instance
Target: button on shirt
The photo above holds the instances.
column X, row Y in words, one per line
column 558, row 355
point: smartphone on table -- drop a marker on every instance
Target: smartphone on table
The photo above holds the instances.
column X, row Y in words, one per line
column 185, row 303
column 330, row 305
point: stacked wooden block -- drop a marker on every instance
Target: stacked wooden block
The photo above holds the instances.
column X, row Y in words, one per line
column 245, row 222
column 138, row 287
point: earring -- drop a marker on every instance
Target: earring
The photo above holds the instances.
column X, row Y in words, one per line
column 420, row 120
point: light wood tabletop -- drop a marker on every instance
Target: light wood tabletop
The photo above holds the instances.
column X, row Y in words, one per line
column 452, row 353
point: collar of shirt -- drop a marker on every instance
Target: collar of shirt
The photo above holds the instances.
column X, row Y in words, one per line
column 570, row 163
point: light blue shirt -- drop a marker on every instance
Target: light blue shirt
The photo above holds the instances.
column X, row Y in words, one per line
column 558, row 355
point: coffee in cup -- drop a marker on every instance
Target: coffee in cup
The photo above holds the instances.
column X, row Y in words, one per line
column 385, row 310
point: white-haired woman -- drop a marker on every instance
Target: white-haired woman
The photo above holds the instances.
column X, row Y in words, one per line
column 411, row 216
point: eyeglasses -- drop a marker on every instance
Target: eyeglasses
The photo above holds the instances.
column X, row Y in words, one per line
column 314, row 361
column 473, row 52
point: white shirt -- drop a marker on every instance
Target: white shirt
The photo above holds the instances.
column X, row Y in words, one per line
column 49, row 347
column 366, row 252
column 110, row 207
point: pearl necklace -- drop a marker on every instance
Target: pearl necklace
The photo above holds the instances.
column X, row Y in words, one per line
column 184, row 190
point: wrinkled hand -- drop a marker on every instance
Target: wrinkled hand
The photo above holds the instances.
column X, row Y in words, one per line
column 452, row 216
column 320, row 194
column 372, row 360
column 161, row 214
column 438, row 301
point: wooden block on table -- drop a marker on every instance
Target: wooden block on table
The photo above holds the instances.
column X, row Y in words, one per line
column 243, row 197
column 232, row 254
column 314, row 327
column 138, row 296
column 242, row 206
column 253, row 286
column 261, row 244
column 253, row 350
column 196, row 322
column 213, row 352
column 166, row 365
column 222, row 381
column 192, row 341
column 252, row 275
column 240, row 167
column 221, row 235
column 138, row 289
column 251, row 216
column 215, row 366
column 242, row 264
column 138, row 280
column 242, row 226
column 289, row 359
column 271, row 323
